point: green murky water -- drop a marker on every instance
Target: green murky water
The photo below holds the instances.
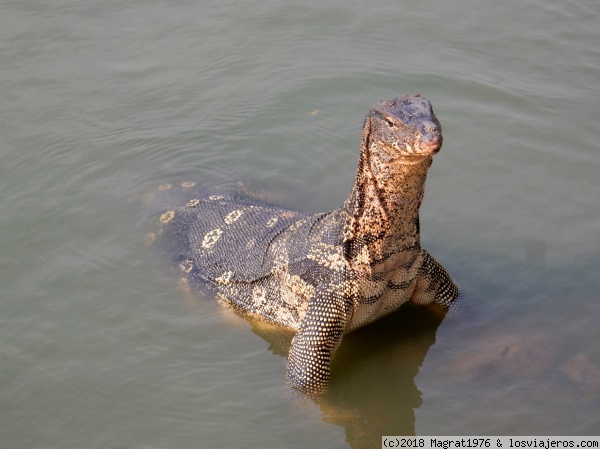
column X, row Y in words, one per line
column 103, row 102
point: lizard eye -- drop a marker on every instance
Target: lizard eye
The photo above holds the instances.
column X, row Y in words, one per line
column 390, row 123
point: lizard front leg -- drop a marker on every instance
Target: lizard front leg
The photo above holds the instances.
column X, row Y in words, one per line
column 320, row 334
column 434, row 285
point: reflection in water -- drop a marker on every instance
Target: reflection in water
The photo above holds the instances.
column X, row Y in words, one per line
column 373, row 391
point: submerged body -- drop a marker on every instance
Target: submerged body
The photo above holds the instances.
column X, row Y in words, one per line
column 323, row 275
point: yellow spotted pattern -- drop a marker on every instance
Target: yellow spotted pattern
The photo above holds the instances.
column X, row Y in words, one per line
column 211, row 238
column 167, row 217
column 233, row 216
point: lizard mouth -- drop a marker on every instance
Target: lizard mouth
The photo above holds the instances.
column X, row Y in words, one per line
column 432, row 145
column 422, row 148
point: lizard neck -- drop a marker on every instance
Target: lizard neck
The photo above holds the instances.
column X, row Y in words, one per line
column 381, row 230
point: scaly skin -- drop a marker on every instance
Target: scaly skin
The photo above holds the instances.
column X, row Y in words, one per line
column 323, row 275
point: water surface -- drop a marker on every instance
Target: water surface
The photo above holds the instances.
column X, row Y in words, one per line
column 104, row 102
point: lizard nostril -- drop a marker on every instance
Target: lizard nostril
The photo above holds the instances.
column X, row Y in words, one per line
column 430, row 128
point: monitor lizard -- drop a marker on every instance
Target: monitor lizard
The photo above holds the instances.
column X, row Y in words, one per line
column 322, row 275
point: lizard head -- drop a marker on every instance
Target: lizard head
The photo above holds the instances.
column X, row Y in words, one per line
column 405, row 127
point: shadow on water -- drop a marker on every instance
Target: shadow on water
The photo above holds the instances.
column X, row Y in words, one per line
column 373, row 390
